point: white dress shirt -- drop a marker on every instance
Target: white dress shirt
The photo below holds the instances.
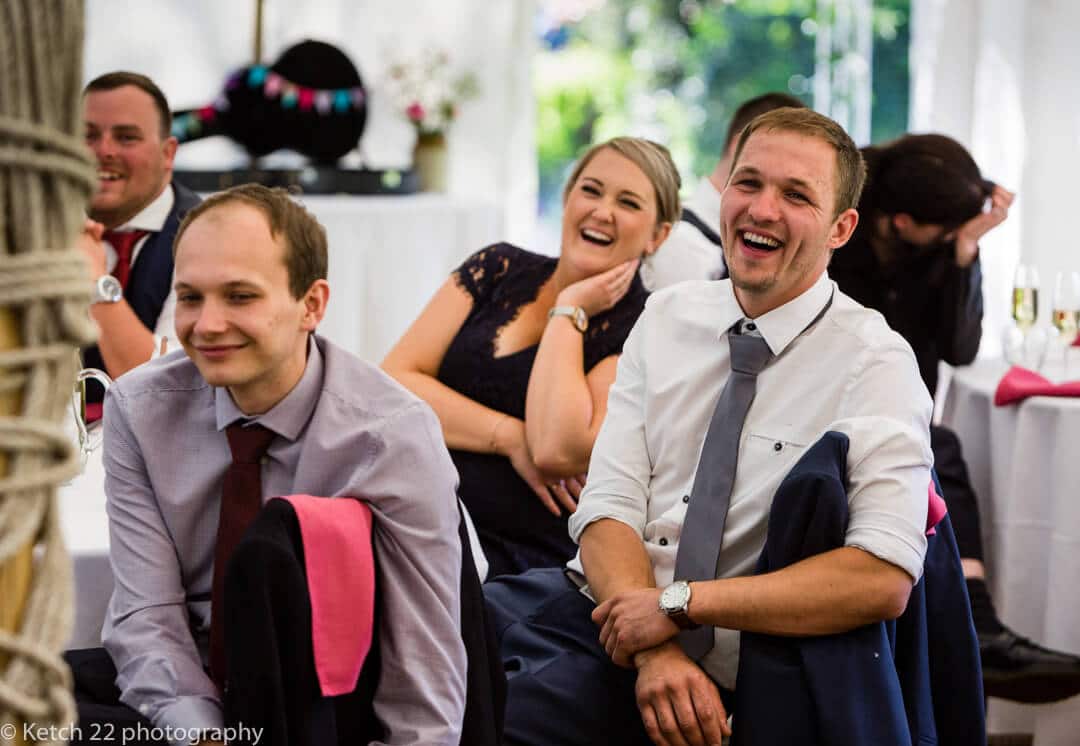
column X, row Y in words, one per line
column 687, row 254
column 151, row 218
column 849, row 373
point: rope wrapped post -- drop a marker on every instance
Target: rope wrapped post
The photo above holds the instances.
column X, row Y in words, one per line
column 46, row 177
column 15, row 573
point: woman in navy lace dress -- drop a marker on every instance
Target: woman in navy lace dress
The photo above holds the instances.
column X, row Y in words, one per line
column 516, row 352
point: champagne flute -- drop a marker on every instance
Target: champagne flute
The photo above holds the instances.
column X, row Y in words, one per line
column 89, row 436
column 1066, row 311
column 1025, row 297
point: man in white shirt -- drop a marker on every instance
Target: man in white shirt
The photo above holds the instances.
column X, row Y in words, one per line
column 836, row 366
column 692, row 251
column 134, row 215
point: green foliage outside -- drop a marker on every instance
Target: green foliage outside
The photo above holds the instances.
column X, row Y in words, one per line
column 676, row 70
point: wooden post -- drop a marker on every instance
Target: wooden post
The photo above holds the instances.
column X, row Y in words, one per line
column 17, row 571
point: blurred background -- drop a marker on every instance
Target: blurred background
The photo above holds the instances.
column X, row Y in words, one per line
column 550, row 76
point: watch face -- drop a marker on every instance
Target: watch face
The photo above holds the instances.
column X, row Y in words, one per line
column 674, row 597
column 581, row 321
column 109, row 289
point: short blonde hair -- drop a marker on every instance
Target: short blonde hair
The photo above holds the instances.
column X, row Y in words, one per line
column 850, row 167
column 655, row 162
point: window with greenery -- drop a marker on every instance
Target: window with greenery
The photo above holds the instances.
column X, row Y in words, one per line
column 675, row 70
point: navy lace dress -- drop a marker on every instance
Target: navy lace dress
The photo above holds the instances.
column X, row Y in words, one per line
column 516, row 531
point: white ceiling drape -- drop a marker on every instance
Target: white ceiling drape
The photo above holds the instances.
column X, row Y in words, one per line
column 1001, row 76
column 189, row 46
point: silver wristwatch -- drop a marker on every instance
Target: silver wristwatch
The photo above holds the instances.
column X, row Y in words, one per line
column 107, row 289
column 675, row 603
column 576, row 313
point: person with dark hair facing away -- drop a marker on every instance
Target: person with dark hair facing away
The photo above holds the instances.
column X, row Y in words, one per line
column 210, row 624
column 133, row 217
column 516, row 351
column 692, row 251
column 915, row 258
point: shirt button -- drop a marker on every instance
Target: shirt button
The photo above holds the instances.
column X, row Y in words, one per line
column 686, row 498
column 144, row 709
column 750, row 326
column 778, row 446
column 264, row 460
column 663, row 541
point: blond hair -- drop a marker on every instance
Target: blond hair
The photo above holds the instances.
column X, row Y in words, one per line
column 655, row 162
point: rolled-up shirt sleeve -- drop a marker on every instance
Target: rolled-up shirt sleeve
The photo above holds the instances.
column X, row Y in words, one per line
column 887, row 418
column 147, row 632
column 617, row 486
column 411, row 489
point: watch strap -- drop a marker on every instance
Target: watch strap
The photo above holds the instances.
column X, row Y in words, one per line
column 683, row 620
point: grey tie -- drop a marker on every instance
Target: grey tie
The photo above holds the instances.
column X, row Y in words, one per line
column 703, row 528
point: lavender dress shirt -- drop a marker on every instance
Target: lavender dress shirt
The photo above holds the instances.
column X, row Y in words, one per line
column 346, row 429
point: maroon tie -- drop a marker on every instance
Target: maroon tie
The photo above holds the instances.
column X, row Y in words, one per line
column 241, row 499
column 123, row 243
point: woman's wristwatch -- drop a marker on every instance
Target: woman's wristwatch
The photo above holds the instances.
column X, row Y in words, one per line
column 575, row 313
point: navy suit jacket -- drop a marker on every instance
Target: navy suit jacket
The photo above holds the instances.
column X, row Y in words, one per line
column 150, row 281
column 916, row 680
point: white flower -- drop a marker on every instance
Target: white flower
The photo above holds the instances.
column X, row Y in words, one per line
column 427, row 91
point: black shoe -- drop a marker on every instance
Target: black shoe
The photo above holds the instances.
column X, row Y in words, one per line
column 1015, row 668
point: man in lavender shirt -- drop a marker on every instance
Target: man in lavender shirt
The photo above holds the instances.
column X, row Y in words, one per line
column 251, row 288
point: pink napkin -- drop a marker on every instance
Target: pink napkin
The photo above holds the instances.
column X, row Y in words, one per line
column 341, row 581
column 1020, row 383
column 935, row 510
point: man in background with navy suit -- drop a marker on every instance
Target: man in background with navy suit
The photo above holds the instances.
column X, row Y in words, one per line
column 134, row 215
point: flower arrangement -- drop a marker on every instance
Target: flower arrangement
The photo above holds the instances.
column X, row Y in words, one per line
column 427, row 91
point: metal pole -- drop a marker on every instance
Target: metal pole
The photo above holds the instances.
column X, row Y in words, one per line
column 257, row 51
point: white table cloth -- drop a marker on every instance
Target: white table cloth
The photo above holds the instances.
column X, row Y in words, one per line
column 1024, row 461
column 86, row 534
column 388, row 256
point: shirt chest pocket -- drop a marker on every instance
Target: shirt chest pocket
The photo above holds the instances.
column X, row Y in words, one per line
column 769, row 452
column 777, row 439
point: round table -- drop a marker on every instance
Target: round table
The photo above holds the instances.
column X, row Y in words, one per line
column 1024, row 460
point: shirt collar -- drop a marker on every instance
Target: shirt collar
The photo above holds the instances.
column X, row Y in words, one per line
column 705, row 202
column 288, row 417
column 781, row 325
column 153, row 216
